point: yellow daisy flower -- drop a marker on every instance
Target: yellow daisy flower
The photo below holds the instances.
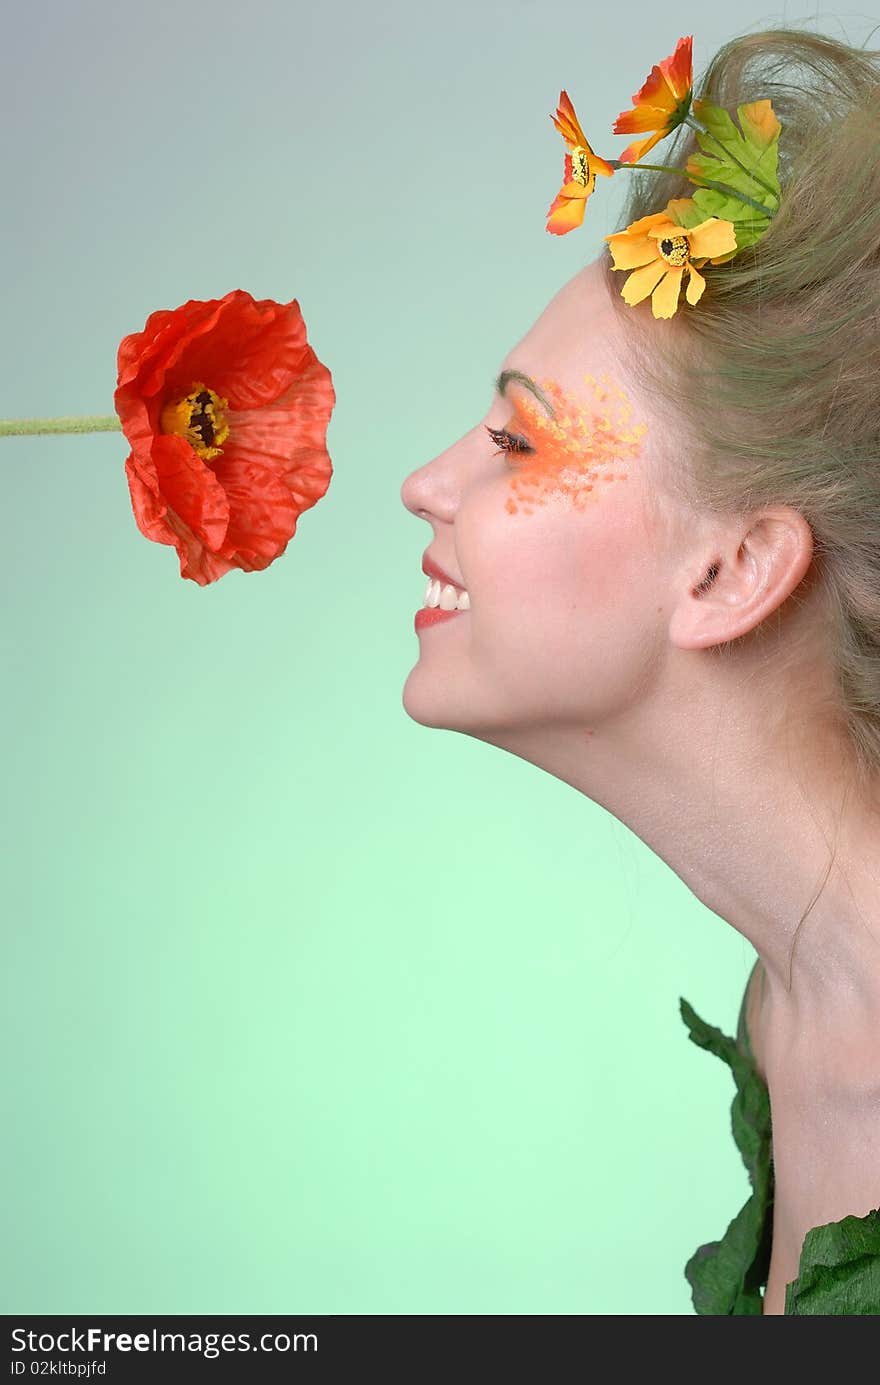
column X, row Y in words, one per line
column 661, row 252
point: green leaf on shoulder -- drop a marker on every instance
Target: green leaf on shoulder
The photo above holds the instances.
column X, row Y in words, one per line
column 726, row 1276
column 839, row 1271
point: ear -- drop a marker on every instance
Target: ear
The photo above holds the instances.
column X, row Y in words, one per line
column 753, row 566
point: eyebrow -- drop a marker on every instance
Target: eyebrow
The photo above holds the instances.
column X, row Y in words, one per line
column 507, row 377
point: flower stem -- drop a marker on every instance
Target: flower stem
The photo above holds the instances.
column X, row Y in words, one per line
column 688, row 120
column 96, row 423
column 703, row 183
column 731, row 192
column 655, row 168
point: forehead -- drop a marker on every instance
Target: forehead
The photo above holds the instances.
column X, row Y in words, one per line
column 578, row 333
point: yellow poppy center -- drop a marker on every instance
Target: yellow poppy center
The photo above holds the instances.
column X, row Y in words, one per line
column 199, row 418
column 580, row 168
column 674, row 250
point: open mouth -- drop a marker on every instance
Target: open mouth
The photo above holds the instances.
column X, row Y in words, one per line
column 445, row 597
column 434, row 616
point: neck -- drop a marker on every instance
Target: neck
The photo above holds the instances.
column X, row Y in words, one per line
column 760, row 821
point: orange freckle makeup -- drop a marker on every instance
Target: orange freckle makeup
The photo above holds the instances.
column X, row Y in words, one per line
column 585, row 445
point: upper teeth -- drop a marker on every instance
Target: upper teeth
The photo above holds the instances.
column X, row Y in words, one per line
column 448, row 598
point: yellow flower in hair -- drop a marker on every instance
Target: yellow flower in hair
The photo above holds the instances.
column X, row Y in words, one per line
column 662, row 102
column 580, row 167
column 662, row 252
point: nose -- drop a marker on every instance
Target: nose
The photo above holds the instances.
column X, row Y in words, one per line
column 413, row 492
column 431, row 491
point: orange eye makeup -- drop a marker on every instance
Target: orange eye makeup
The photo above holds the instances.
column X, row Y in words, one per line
column 585, row 445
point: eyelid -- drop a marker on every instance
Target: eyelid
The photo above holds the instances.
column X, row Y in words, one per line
column 495, row 434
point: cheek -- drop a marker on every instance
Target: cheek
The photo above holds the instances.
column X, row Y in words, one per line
column 568, row 530
column 557, row 585
column 586, row 447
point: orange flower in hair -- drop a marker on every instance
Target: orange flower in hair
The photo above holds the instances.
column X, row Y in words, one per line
column 661, row 104
column 225, row 407
column 579, row 176
column 662, row 252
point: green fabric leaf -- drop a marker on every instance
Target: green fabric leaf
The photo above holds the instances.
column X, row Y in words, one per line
column 839, row 1269
column 748, row 223
column 756, row 147
column 726, row 1276
column 747, row 161
column 684, row 212
column 723, row 1276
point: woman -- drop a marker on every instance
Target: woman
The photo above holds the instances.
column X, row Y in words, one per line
column 680, row 617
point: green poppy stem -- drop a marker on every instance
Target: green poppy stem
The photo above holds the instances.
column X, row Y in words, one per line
column 703, row 183
column 97, row 423
column 695, row 125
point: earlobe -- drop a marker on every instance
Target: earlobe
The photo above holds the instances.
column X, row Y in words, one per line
column 745, row 581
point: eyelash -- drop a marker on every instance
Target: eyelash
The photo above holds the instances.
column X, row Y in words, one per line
column 508, row 442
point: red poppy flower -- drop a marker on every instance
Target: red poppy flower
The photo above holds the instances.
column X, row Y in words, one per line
column 225, row 407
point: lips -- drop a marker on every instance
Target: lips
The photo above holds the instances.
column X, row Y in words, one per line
column 431, row 569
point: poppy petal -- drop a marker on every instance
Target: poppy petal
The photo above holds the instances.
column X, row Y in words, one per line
column 567, row 209
column 654, row 91
column 638, row 121
column 633, row 152
column 567, row 122
column 668, row 81
column 146, row 500
column 143, row 357
column 191, row 489
column 661, row 101
column 253, row 352
column 600, row 165
column 159, row 522
column 679, row 69
column 262, row 512
column 290, row 436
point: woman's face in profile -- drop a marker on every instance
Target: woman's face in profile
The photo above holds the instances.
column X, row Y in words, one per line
column 565, row 550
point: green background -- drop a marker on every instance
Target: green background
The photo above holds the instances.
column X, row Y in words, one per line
column 274, row 1040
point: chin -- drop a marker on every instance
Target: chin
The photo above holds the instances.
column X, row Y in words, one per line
column 427, row 705
column 431, row 703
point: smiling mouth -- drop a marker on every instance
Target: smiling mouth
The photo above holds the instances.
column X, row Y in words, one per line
column 426, row 616
column 445, row 597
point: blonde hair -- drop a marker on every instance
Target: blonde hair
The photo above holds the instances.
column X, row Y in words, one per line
column 772, row 381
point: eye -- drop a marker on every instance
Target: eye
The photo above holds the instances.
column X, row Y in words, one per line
column 508, row 442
